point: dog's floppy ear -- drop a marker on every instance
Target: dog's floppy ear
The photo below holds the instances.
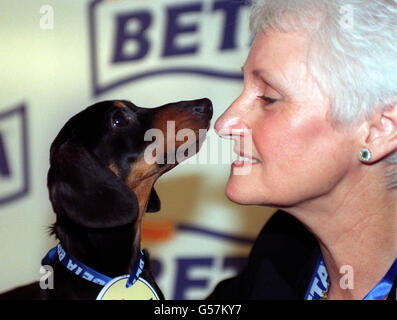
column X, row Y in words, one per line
column 154, row 203
column 85, row 191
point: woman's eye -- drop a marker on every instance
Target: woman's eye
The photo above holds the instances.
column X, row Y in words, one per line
column 268, row 100
column 119, row 120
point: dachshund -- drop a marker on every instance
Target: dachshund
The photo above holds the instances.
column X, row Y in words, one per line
column 101, row 183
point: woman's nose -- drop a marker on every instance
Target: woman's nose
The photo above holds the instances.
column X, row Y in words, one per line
column 230, row 123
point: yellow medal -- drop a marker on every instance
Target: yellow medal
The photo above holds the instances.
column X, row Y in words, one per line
column 116, row 290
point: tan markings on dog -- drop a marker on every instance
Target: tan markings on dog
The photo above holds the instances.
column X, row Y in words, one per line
column 142, row 192
column 119, row 104
column 114, row 169
column 140, row 170
column 180, row 121
column 141, row 180
column 161, row 122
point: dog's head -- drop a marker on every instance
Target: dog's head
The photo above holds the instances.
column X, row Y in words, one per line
column 105, row 160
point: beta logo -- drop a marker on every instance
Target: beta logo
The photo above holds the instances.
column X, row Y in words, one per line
column 134, row 40
column 14, row 169
column 189, row 260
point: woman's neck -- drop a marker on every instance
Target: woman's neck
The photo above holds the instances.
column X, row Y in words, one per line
column 359, row 258
column 357, row 233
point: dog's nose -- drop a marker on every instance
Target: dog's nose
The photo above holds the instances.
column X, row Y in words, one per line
column 204, row 106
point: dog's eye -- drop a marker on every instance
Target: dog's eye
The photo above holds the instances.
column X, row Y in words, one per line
column 120, row 120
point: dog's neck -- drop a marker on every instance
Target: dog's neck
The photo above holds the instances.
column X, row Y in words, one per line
column 111, row 251
column 142, row 191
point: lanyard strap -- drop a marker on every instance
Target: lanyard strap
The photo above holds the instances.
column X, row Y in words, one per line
column 319, row 285
column 382, row 289
column 85, row 272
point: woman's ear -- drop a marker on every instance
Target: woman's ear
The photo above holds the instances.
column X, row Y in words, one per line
column 380, row 134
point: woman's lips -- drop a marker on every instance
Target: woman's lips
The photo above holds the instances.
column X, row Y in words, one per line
column 245, row 161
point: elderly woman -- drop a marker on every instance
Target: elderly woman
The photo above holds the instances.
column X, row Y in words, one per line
column 319, row 108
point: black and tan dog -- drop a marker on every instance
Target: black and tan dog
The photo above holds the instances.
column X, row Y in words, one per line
column 101, row 185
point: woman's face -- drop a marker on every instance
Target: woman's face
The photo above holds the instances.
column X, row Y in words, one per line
column 282, row 120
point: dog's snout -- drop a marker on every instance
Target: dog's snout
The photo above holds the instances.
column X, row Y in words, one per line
column 204, row 106
column 200, row 109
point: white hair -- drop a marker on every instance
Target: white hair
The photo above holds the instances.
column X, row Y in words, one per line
column 352, row 53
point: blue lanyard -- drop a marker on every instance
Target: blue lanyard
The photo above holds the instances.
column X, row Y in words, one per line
column 85, row 272
column 382, row 289
column 319, row 285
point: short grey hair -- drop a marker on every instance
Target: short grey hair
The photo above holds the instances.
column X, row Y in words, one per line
column 352, row 53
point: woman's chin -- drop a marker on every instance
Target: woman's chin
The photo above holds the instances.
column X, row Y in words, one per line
column 240, row 194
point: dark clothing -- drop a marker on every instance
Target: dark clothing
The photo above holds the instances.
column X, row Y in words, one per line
column 280, row 266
